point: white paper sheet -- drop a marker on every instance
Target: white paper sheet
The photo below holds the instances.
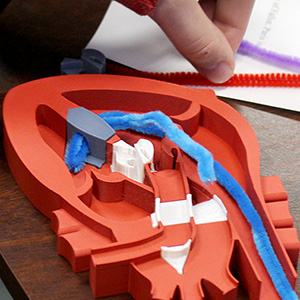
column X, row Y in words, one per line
column 137, row 41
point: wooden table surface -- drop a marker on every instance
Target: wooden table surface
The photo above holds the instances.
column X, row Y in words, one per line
column 34, row 37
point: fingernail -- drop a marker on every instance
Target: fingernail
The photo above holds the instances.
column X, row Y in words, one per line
column 218, row 73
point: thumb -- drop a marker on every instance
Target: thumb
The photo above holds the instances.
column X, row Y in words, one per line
column 196, row 38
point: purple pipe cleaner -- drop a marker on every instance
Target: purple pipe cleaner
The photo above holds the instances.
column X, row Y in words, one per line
column 285, row 61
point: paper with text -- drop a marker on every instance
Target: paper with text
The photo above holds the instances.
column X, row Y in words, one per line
column 136, row 41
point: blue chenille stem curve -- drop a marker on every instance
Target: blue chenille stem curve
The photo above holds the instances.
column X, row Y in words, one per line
column 260, row 235
column 158, row 124
column 76, row 152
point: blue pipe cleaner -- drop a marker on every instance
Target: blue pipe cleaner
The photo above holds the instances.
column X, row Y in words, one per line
column 76, row 152
column 156, row 123
column 260, row 235
column 119, row 120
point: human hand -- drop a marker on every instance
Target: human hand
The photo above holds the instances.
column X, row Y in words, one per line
column 207, row 33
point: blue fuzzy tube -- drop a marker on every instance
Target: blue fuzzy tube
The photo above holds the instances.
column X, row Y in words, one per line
column 158, row 124
column 260, row 235
column 76, row 153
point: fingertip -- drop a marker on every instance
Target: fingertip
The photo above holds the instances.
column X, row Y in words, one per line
column 218, row 73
